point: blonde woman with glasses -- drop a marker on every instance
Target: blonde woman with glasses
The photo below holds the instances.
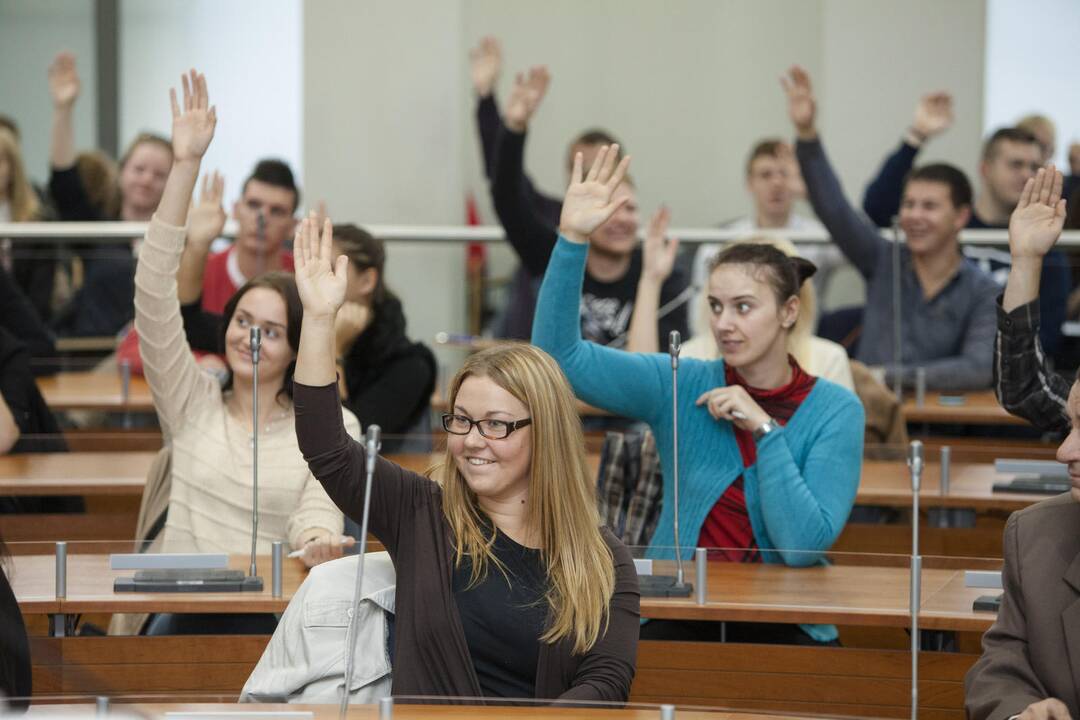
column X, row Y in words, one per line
column 506, row 584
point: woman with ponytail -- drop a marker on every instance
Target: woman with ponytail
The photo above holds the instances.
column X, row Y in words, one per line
column 769, row 455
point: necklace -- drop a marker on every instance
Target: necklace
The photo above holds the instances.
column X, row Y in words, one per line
column 270, row 422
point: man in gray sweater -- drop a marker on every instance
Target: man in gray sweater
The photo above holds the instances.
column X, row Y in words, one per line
column 947, row 317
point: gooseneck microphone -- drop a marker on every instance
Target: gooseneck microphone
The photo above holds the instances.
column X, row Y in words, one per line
column 255, row 342
column 915, row 464
column 372, row 443
column 674, row 346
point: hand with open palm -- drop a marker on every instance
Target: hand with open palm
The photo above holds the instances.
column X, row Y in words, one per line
column 193, row 126
column 588, row 202
column 1037, row 221
column 525, row 98
column 206, row 219
column 64, row 82
column 801, row 105
column 320, row 282
column 659, row 251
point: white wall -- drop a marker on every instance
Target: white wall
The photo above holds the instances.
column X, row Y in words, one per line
column 1028, row 68
column 251, row 53
column 31, row 33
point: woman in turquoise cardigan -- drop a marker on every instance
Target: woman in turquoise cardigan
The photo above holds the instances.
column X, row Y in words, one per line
column 769, row 457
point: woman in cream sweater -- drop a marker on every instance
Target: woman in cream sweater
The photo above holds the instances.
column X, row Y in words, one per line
column 207, row 425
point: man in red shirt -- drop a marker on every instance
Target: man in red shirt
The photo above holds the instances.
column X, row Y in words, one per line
column 265, row 214
column 265, row 218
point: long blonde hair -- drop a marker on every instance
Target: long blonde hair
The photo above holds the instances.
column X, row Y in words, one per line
column 20, row 194
column 798, row 340
column 562, row 497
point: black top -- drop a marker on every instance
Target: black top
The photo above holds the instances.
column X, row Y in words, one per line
column 390, row 378
column 503, row 618
column 15, row 680
column 605, row 306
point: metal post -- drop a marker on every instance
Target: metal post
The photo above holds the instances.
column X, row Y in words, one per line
column 61, row 570
column 386, row 708
column 920, row 386
column 102, row 706
column 946, row 458
column 667, row 712
column 915, row 463
column 276, row 550
column 898, row 362
column 701, row 558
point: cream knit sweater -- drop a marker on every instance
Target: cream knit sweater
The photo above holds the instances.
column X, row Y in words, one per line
column 210, row 499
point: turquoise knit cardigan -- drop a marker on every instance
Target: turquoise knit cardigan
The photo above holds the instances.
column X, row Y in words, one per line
column 800, row 490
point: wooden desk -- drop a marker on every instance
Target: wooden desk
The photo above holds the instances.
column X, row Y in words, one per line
column 978, row 408
column 405, row 710
column 95, row 391
column 971, row 485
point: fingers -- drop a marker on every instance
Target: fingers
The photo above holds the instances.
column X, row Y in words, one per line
column 218, row 186
column 187, row 92
column 341, row 265
column 1025, row 194
column 598, row 162
column 204, row 192
column 620, row 171
column 1056, row 184
column 1037, row 188
column 1047, row 185
column 325, row 249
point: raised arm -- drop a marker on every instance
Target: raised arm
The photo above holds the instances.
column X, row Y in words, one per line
column 933, row 115
column 174, row 378
column 528, row 232
column 1023, row 383
column 64, row 89
column 658, row 260
column 858, row 239
column 627, row 384
column 335, row 459
column 485, row 64
column 205, row 223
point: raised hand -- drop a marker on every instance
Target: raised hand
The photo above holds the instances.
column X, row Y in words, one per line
column 193, row 127
column 321, row 284
column 528, row 93
column 588, row 200
column 485, row 62
column 325, row 549
column 206, row 219
column 801, row 106
column 351, row 321
column 63, row 80
column 933, row 114
column 1037, row 221
column 659, row 251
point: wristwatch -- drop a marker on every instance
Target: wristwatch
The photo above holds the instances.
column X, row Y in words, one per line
column 765, row 428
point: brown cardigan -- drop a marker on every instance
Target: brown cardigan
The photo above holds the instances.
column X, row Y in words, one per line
column 431, row 656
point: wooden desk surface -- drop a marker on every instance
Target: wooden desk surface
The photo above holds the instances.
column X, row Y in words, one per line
column 407, row 711
column 78, row 473
column 89, row 390
column 834, row 594
column 978, row 408
column 839, row 594
column 124, row 473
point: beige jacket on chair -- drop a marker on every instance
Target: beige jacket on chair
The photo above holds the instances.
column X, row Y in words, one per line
column 305, row 659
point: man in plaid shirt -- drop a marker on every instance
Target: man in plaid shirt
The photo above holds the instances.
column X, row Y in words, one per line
column 1024, row 384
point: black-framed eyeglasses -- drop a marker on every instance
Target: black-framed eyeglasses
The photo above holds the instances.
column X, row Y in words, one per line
column 489, row 428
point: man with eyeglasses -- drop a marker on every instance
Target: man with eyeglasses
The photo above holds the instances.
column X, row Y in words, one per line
column 265, row 215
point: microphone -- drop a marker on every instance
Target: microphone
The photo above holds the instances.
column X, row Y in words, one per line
column 255, row 341
column 661, row 585
column 915, row 463
column 372, row 443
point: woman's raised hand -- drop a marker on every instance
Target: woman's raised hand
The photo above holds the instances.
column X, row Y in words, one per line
column 588, row 200
column 194, row 122
column 321, row 284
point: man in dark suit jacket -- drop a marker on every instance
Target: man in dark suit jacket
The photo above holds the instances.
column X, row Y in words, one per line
column 1030, row 667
